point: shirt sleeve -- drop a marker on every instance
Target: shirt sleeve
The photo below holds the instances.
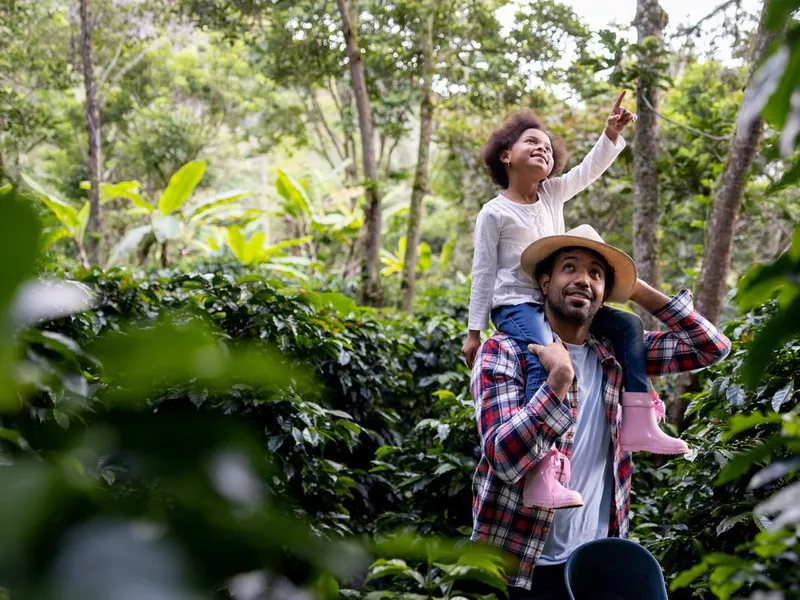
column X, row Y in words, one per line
column 692, row 341
column 484, row 269
column 591, row 167
column 515, row 433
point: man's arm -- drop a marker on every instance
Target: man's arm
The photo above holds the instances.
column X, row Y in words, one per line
column 692, row 341
column 515, row 433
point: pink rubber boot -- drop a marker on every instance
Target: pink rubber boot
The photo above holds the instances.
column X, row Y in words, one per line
column 641, row 413
column 542, row 488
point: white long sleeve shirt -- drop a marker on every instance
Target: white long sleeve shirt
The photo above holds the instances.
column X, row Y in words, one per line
column 505, row 228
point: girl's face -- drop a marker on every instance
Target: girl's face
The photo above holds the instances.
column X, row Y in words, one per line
column 531, row 154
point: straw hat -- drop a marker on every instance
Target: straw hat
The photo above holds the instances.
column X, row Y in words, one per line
column 584, row 236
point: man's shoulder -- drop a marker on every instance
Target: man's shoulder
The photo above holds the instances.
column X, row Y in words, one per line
column 500, row 346
column 499, row 354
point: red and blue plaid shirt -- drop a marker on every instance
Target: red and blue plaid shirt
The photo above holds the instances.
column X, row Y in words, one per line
column 516, row 433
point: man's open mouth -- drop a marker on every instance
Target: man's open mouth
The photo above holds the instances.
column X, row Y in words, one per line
column 577, row 294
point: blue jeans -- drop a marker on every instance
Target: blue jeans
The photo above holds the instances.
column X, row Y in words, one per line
column 525, row 323
column 625, row 330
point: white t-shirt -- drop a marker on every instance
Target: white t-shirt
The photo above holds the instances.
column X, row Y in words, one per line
column 505, row 228
column 591, row 464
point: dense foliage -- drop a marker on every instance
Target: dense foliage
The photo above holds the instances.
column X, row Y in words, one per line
column 222, row 419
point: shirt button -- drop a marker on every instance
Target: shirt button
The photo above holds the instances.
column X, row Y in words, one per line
column 574, row 404
column 570, row 435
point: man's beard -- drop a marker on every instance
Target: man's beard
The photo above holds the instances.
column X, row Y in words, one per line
column 571, row 314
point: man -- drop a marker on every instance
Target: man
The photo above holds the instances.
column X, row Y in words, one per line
column 575, row 412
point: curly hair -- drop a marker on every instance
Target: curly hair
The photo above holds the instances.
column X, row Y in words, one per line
column 507, row 135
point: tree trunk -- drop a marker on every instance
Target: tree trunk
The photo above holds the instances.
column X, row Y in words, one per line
column 650, row 22
column 94, row 243
column 372, row 217
column 730, row 194
column 725, row 212
column 421, row 174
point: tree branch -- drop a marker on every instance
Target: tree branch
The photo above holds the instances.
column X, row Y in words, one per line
column 721, row 8
column 112, row 63
column 124, row 70
column 321, row 117
column 716, row 138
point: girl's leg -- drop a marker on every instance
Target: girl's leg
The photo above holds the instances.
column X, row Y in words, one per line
column 626, row 332
column 641, row 408
column 526, row 324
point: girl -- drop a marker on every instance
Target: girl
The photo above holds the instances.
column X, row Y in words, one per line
column 521, row 156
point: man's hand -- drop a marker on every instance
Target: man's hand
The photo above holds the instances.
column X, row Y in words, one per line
column 470, row 347
column 618, row 119
column 557, row 362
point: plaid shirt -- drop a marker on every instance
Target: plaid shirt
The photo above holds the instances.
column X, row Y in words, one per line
column 515, row 433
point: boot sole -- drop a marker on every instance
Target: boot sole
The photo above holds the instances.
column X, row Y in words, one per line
column 554, row 507
column 568, row 506
column 662, row 452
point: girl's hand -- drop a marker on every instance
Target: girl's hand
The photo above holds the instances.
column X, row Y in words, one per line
column 618, row 119
column 470, row 348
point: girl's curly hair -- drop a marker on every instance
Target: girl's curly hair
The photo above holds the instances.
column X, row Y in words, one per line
column 506, row 136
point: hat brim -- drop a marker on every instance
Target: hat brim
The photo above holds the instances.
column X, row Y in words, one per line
column 625, row 274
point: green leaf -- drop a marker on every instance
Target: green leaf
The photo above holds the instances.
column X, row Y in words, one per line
column 778, row 13
column 739, row 423
column 688, row 576
column 83, row 221
column 53, row 236
column 424, row 257
column 125, row 189
column 19, row 244
column 393, row 568
column 782, row 396
column 728, row 523
column 777, row 107
column 218, row 200
column 254, row 247
column 181, row 186
column 741, row 463
column 762, row 282
column 286, row 270
column 236, row 241
column 735, row 395
column 296, row 201
column 776, row 470
column 779, row 329
column 281, row 246
column 64, row 212
column 447, row 253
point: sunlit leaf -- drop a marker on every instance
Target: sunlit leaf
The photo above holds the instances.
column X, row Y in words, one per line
column 218, row 200
column 743, row 462
column 63, row 210
column 296, row 201
column 780, row 328
column 774, row 471
column 125, row 189
column 181, row 187
column 53, row 236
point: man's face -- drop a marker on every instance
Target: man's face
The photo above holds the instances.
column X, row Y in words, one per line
column 576, row 289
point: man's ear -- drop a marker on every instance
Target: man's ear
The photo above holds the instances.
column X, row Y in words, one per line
column 544, row 283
